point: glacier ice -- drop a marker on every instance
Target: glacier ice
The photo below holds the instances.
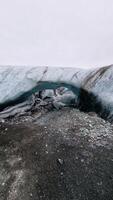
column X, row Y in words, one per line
column 21, row 82
column 91, row 89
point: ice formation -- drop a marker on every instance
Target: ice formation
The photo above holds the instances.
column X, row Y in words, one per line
column 91, row 89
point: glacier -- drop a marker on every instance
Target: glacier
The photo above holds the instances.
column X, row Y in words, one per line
column 91, row 88
column 18, row 83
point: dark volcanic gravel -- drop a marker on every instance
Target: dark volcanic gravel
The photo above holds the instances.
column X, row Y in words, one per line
column 61, row 155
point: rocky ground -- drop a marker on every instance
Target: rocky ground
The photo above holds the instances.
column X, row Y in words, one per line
column 56, row 155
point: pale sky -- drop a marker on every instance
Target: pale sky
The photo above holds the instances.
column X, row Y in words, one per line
column 76, row 33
